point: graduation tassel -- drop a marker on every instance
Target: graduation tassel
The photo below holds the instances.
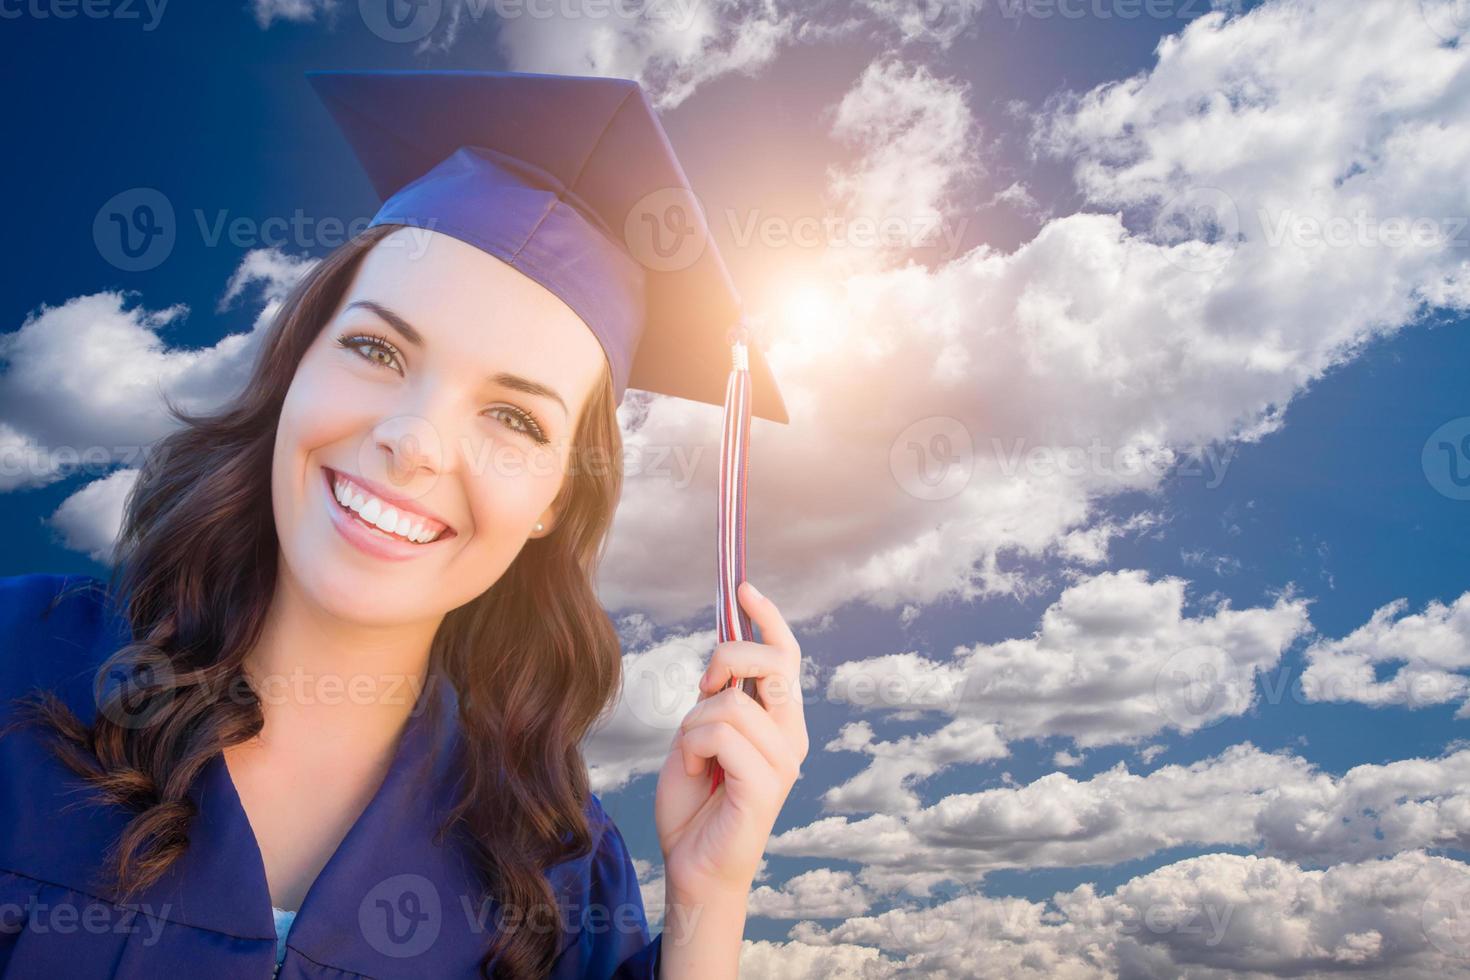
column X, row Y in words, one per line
column 731, row 621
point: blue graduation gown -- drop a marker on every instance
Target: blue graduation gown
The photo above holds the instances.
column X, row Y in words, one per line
column 389, row 902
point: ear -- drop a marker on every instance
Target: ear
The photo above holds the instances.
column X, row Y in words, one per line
column 547, row 521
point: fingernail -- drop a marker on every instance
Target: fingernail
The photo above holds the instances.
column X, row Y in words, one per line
column 754, row 591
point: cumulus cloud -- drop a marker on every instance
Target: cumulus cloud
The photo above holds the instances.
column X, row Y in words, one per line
column 89, row 519
column 267, row 12
column 1431, row 650
column 821, row 893
column 1115, row 659
column 670, row 48
column 918, row 144
column 1275, row 803
column 1215, row 916
column 1149, row 331
column 660, row 686
column 83, row 389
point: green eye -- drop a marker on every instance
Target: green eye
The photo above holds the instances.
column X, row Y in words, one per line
column 374, row 344
column 522, row 421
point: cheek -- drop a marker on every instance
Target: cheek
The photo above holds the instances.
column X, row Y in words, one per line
column 511, row 495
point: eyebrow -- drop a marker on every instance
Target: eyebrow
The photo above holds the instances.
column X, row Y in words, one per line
column 504, row 379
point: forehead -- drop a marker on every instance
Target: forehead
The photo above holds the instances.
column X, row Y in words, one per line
column 479, row 311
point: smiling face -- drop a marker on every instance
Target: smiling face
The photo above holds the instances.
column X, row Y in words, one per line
column 439, row 405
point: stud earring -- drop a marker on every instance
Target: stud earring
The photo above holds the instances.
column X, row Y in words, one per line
column 538, row 525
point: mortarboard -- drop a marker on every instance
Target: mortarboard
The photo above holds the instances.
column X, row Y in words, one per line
column 573, row 182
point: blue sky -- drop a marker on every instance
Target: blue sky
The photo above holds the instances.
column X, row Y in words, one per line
column 1113, row 182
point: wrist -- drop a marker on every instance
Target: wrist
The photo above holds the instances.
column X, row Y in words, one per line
column 709, row 913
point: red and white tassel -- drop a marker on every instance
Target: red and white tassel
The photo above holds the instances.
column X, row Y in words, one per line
column 731, row 621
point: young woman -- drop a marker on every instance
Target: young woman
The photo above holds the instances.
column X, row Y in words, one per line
column 351, row 648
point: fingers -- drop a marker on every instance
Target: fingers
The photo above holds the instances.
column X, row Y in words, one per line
column 765, row 614
column 736, row 708
column 743, row 658
column 777, row 673
column 742, row 761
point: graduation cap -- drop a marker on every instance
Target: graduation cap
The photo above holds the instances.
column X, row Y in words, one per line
column 572, row 181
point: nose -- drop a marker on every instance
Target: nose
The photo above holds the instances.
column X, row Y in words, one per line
column 412, row 448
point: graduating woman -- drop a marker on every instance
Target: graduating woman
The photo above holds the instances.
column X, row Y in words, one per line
column 325, row 719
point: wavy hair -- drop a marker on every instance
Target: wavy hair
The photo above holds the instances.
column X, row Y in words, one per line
column 534, row 659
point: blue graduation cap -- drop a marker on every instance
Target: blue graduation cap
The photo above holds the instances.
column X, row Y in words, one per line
column 571, row 181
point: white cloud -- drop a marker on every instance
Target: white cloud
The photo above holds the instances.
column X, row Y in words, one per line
column 1115, row 659
column 660, row 686
column 89, row 519
column 817, row 894
column 1431, row 649
column 885, row 785
column 84, row 382
column 801, row 961
column 918, row 143
column 268, row 12
column 1276, row 803
column 945, row 418
column 1214, row 917
column 670, row 48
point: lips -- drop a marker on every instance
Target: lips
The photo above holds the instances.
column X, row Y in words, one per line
column 370, row 505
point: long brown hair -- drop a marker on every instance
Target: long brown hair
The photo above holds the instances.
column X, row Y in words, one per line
column 534, row 659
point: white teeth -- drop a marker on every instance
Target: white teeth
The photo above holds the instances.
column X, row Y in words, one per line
column 373, row 511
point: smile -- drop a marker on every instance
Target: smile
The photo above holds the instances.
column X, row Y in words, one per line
column 366, row 513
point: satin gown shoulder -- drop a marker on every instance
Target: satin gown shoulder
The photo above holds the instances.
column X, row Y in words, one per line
column 391, row 902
